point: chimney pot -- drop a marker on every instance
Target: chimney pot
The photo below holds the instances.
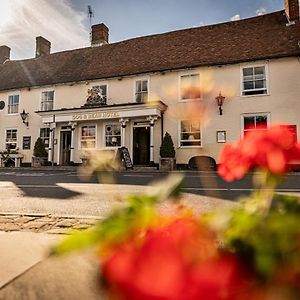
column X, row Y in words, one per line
column 4, row 54
column 292, row 10
column 99, row 35
column 43, row 46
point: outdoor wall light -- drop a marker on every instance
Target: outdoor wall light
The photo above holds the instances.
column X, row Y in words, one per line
column 24, row 117
column 220, row 101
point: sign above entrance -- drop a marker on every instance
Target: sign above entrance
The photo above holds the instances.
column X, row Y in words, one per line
column 96, row 116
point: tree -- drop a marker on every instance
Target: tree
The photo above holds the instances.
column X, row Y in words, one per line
column 167, row 147
column 39, row 148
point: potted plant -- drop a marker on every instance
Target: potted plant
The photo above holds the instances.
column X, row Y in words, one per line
column 167, row 161
column 40, row 155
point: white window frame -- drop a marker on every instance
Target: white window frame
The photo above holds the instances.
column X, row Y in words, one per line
column 8, row 106
column 43, row 138
column 5, row 137
column 242, row 67
column 179, row 135
column 254, row 115
column 104, row 135
column 80, row 135
column 135, row 92
column 179, row 86
column 41, row 103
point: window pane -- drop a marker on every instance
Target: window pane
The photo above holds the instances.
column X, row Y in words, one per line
column 259, row 70
column 249, row 122
column 145, row 85
column 259, row 84
column 248, row 72
column 261, row 121
column 248, row 85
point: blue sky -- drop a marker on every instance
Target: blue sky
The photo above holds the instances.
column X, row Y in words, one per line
column 131, row 18
column 65, row 22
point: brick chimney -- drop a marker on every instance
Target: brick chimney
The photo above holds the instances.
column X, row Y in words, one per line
column 4, row 54
column 43, row 47
column 292, row 10
column 99, row 35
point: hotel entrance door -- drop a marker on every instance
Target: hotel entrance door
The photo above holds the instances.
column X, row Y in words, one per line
column 141, row 145
column 65, row 142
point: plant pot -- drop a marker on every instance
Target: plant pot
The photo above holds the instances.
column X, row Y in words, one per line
column 167, row 163
column 39, row 161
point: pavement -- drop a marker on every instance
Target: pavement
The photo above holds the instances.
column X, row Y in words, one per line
column 30, row 225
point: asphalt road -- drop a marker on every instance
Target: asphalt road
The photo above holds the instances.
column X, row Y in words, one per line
column 48, row 184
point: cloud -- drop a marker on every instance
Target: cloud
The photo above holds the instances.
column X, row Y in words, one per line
column 235, row 18
column 56, row 20
column 261, row 11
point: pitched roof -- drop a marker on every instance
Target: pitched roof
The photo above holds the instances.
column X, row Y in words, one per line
column 251, row 39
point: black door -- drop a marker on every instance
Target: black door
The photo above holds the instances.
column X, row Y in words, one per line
column 141, row 146
column 65, row 147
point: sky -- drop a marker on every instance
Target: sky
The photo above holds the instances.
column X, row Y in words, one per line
column 66, row 25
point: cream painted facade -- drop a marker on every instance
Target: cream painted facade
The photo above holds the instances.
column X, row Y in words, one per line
column 280, row 104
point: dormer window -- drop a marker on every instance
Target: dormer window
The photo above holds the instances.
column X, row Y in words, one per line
column 141, row 91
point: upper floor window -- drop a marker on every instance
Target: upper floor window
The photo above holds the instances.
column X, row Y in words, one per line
column 141, row 91
column 88, row 137
column 11, row 139
column 254, row 81
column 113, row 135
column 13, row 104
column 190, row 87
column 255, row 122
column 190, row 133
column 47, row 100
column 101, row 90
column 45, row 136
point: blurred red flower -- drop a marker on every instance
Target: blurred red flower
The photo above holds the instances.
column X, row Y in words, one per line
column 272, row 149
column 177, row 261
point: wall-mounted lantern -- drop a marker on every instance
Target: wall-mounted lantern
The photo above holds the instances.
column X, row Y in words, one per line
column 24, row 117
column 220, row 101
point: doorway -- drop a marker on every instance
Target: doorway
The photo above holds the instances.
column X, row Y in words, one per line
column 141, row 145
column 65, row 142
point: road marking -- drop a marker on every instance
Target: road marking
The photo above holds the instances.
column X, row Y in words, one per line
column 238, row 190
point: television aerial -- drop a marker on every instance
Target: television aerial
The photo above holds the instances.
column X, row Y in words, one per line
column 90, row 14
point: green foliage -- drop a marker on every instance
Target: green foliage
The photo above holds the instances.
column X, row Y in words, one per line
column 138, row 214
column 269, row 241
column 39, row 148
column 167, row 147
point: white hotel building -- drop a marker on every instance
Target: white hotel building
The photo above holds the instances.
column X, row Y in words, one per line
column 131, row 92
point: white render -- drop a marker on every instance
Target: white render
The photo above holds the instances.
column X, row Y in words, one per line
column 282, row 104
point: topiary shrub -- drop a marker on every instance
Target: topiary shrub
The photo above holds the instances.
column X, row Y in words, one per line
column 167, row 147
column 39, row 148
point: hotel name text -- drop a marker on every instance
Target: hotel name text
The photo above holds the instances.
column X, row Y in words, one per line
column 95, row 116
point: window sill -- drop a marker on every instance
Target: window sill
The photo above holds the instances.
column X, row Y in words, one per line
column 14, row 114
column 190, row 100
column 189, row 147
column 257, row 95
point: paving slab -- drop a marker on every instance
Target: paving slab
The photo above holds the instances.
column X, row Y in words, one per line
column 19, row 251
column 69, row 277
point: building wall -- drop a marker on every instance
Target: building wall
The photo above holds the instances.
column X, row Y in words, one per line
column 282, row 103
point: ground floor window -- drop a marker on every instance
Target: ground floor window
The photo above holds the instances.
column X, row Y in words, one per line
column 255, row 122
column 113, row 135
column 11, row 139
column 88, row 137
column 45, row 136
column 190, row 133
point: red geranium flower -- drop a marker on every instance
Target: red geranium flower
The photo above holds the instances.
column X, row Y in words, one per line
column 178, row 261
column 272, row 149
